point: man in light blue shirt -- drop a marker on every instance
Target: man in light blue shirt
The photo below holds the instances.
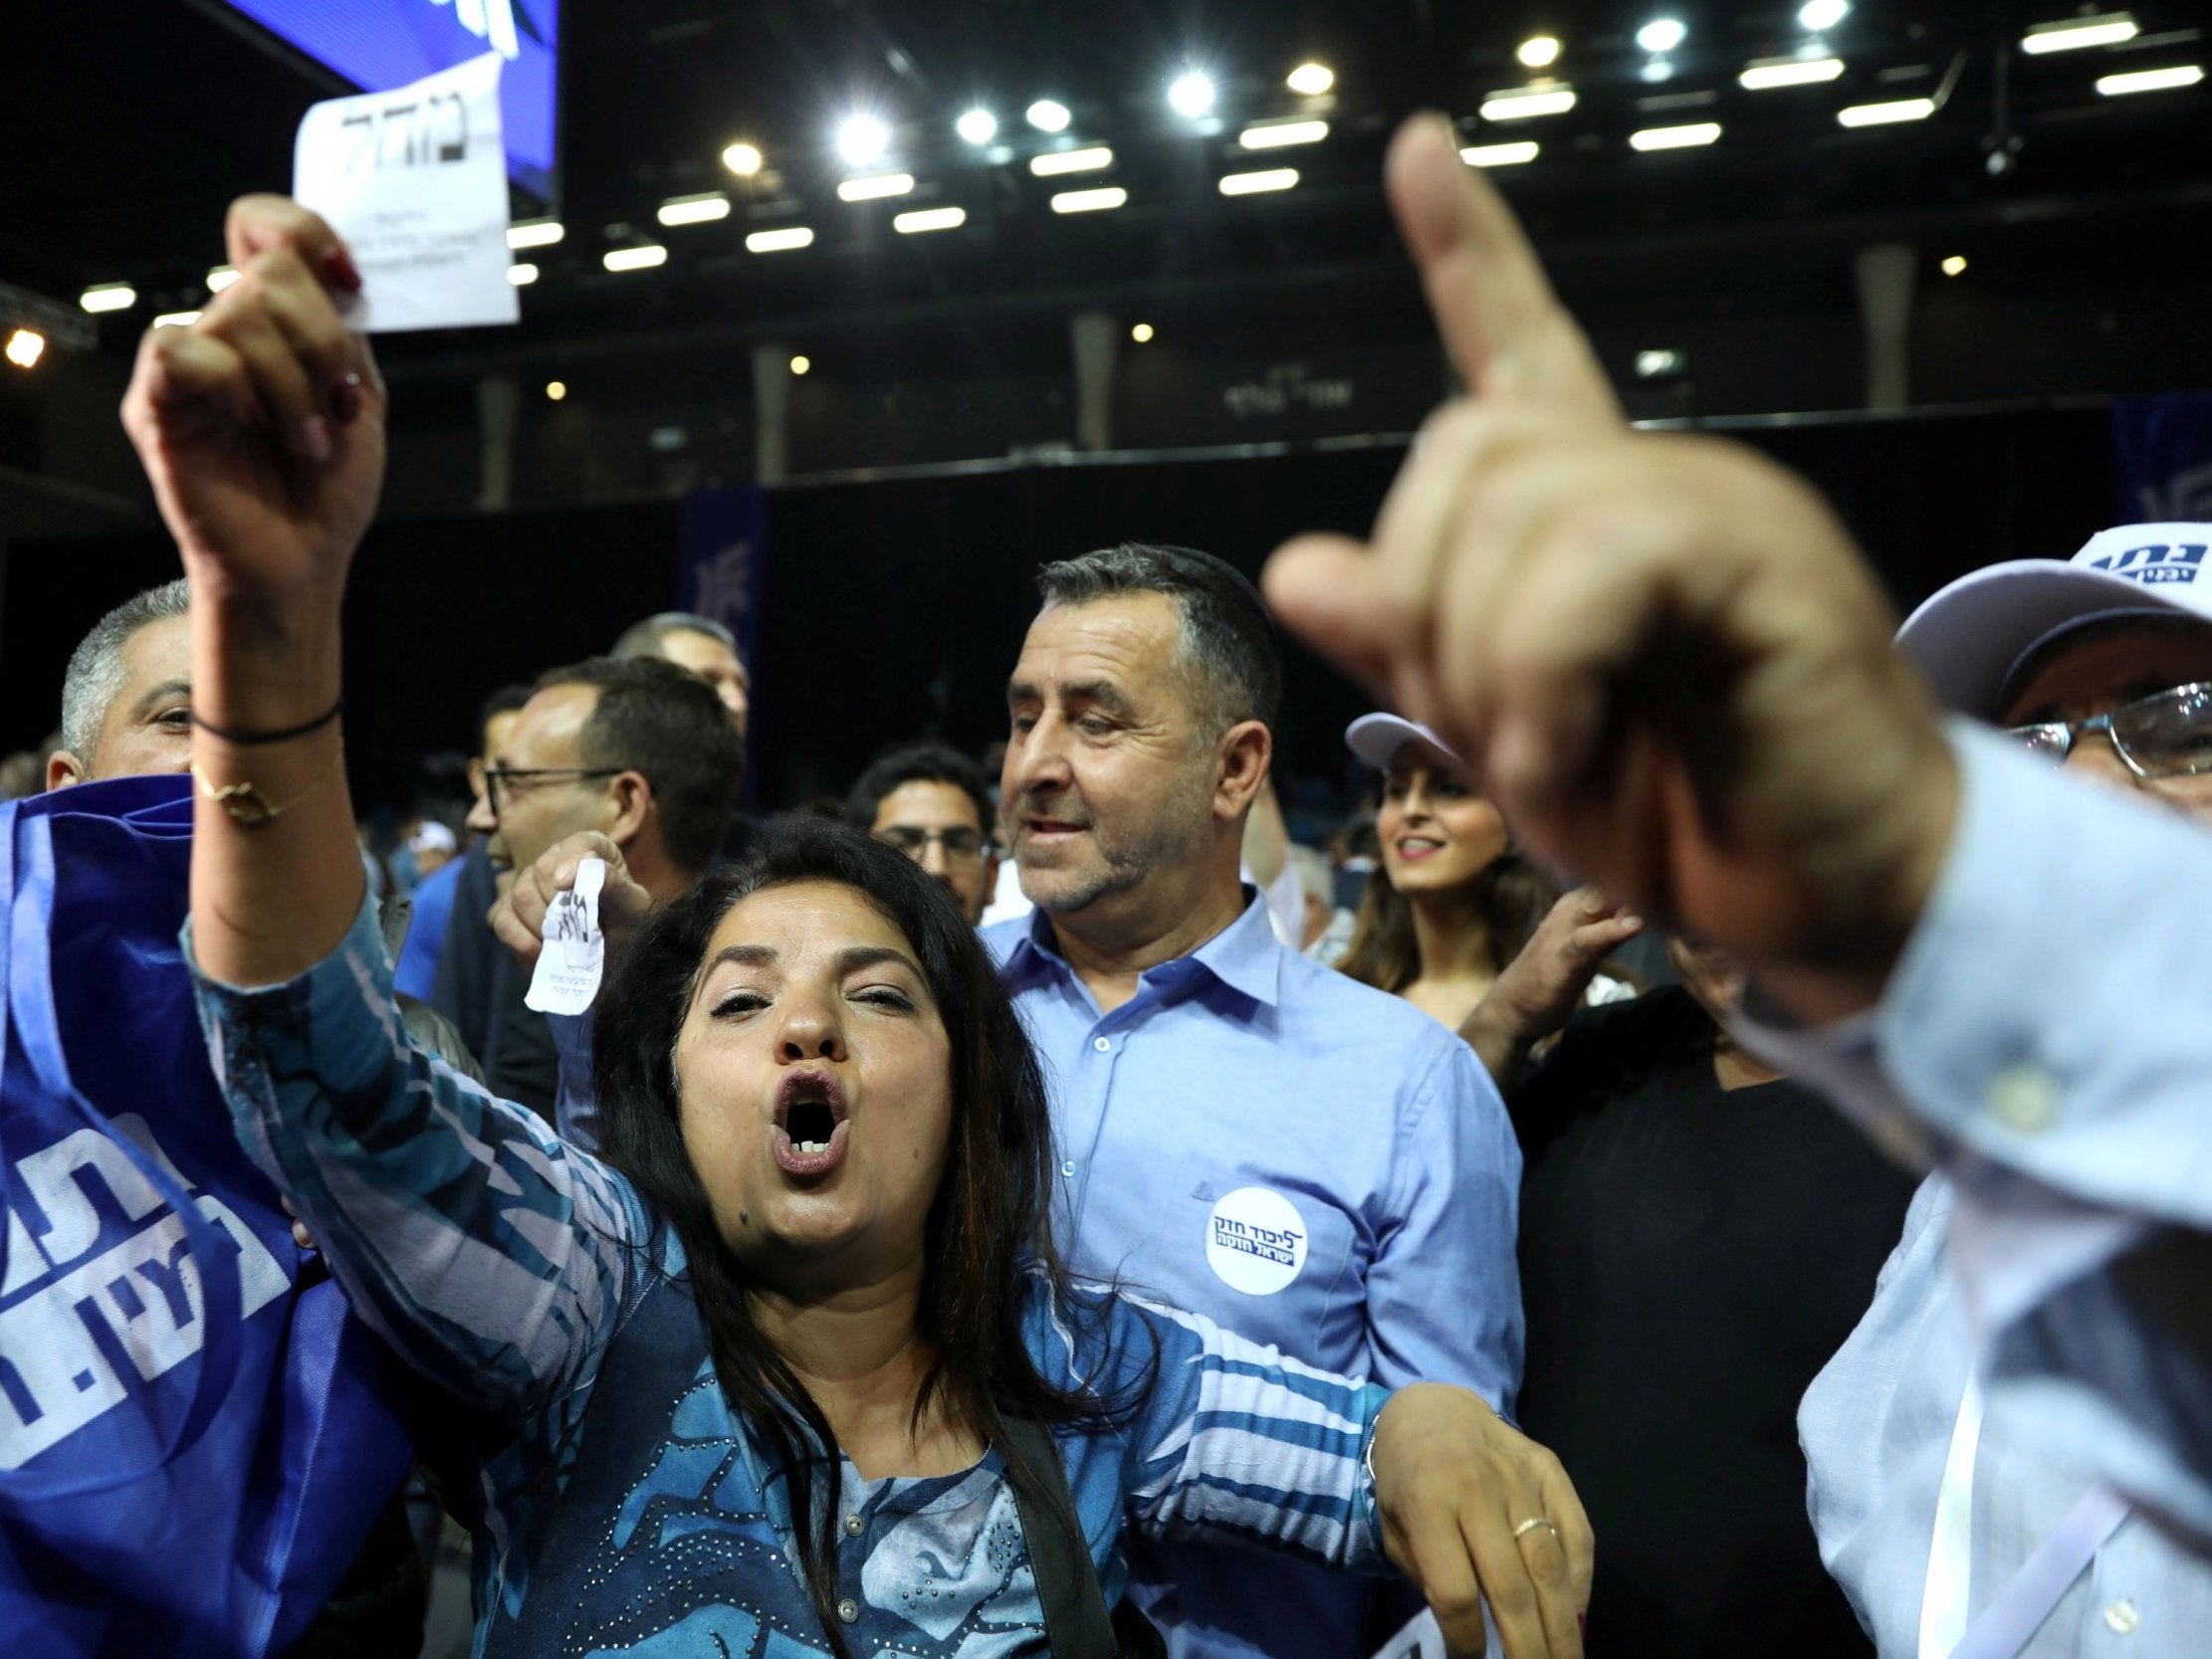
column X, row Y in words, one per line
column 1309, row 1163
column 1930, row 1505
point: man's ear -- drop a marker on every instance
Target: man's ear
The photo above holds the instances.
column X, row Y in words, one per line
column 632, row 799
column 1245, row 751
column 64, row 768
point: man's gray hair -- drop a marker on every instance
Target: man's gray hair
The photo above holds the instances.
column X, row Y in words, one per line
column 1228, row 639
column 643, row 639
column 96, row 671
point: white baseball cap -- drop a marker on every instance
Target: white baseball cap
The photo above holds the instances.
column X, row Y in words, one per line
column 1377, row 738
column 1969, row 637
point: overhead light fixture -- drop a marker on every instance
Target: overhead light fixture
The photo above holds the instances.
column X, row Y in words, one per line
column 782, row 240
column 1047, row 116
column 1662, row 34
column 1258, row 184
column 1816, row 17
column 1955, row 265
column 1499, row 155
column 1656, row 70
column 521, row 275
column 1688, row 136
column 978, row 126
column 1660, row 364
column 1142, row 334
column 176, row 319
column 863, row 140
column 1765, row 74
column 1527, row 104
column 109, row 297
column 1310, row 80
column 25, row 347
column 744, row 160
column 556, row 390
column 220, row 277
column 641, row 258
column 1052, row 163
column 1281, row 135
column 1089, row 201
column 1887, row 115
column 1538, row 52
column 801, row 363
column 929, row 219
column 695, row 210
column 875, row 187
column 524, row 233
column 1191, row 95
column 2150, row 80
column 2076, row 34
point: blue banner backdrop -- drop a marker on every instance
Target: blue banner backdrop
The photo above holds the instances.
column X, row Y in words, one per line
column 2162, row 458
column 723, row 535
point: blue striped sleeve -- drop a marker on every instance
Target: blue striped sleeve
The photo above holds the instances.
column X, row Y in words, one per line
column 490, row 1255
column 1239, row 1443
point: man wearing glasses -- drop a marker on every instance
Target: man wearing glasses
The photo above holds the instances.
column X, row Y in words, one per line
column 930, row 801
column 639, row 751
column 1936, row 1514
column 635, row 748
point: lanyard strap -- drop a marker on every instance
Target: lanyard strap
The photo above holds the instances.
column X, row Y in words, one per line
column 2010, row 1620
column 1944, row 1597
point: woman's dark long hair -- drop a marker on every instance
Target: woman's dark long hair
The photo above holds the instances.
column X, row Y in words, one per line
column 1508, row 897
column 988, row 1232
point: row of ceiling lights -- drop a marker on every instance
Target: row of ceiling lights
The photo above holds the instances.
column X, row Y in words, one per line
column 864, row 140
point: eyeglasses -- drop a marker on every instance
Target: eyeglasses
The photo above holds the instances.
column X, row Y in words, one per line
column 2165, row 734
column 517, row 779
column 961, row 846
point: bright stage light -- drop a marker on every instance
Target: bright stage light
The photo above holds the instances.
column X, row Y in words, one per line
column 1191, row 96
column 978, row 126
column 863, row 140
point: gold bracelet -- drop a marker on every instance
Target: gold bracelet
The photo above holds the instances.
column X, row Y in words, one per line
column 245, row 802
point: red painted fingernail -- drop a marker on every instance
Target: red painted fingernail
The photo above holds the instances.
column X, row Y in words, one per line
column 339, row 271
column 345, row 398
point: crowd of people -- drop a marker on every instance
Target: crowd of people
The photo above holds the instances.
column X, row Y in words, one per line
column 1051, row 1211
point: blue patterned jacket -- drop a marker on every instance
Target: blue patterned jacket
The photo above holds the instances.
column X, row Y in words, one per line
column 623, row 1508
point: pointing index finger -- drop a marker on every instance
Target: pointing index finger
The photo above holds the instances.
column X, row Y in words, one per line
column 1508, row 334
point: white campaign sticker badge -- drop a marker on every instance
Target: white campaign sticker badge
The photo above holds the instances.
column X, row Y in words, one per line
column 566, row 977
column 1255, row 1240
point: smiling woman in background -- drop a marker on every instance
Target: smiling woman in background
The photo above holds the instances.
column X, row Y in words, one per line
column 1454, row 900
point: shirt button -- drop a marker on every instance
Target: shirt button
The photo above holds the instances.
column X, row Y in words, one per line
column 854, row 1525
column 2024, row 1097
column 848, row 1611
column 1102, row 1044
column 2122, row 1618
column 1068, row 1169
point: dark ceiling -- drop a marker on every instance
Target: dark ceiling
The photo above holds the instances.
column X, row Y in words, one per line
column 130, row 124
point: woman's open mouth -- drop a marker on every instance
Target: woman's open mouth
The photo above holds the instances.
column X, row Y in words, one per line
column 811, row 1129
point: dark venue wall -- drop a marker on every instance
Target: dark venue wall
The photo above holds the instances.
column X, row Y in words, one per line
column 895, row 607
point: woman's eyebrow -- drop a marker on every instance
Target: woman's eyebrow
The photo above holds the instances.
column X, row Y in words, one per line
column 743, row 955
column 855, row 957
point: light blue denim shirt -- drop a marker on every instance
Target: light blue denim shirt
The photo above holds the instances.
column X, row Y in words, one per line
column 1879, row 1426
column 2046, row 1040
column 1305, row 1161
